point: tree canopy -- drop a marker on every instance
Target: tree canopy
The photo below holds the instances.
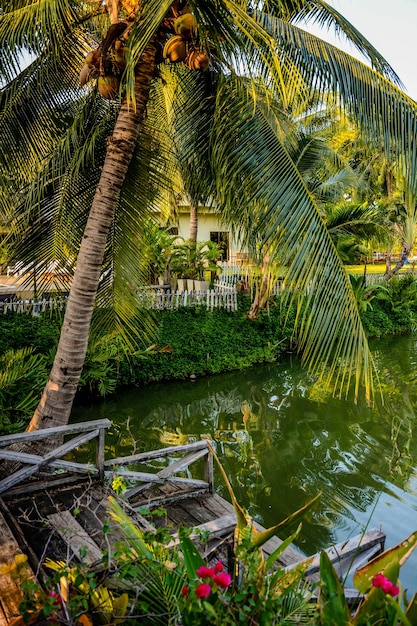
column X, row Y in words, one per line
column 227, row 124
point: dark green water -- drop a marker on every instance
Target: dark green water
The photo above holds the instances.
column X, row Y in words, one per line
column 280, row 447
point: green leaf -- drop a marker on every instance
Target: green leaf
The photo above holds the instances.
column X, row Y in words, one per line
column 130, row 532
column 192, row 557
column 411, row 610
column 362, row 578
column 262, row 537
column 376, row 603
column 243, row 520
column 284, row 545
column 332, row 602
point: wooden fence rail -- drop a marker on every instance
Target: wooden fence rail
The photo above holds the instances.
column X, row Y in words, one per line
column 139, row 481
column 33, row 463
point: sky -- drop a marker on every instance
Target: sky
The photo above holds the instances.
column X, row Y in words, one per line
column 391, row 27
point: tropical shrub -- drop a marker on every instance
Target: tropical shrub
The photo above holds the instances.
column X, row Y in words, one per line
column 22, row 375
column 393, row 308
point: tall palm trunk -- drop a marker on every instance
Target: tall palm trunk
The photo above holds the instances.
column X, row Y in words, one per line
column 56, row 402
column 193, row 222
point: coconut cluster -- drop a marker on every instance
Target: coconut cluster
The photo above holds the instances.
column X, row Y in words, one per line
column 107, row 62
column 183, row 46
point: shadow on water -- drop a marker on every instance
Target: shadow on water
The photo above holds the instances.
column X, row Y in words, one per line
column 280, row 447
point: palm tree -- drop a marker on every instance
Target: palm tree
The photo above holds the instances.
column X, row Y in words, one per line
column 55, row 146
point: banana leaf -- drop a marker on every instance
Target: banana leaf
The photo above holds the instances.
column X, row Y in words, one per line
column 131, row 533
column 332, row 602
column 262, row 537
column 379, row 607
column 284, row 545
column 244, row 521
column 411, row 611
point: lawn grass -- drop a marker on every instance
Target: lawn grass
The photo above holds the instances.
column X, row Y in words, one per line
column 376, row 268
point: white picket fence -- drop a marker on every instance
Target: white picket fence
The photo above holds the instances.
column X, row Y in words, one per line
column 157, row 299
column 33, row 307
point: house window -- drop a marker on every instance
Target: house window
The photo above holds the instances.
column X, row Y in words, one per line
column 222, row 240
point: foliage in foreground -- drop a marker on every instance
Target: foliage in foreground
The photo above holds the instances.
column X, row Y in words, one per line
column 149, row 578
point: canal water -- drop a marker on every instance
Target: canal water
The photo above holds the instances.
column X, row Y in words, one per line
column 281, row 442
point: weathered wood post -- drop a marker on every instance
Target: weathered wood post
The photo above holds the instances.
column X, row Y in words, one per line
column 208, row 470
column 100, row 452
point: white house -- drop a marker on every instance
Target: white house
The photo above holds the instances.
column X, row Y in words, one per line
column 210, row 228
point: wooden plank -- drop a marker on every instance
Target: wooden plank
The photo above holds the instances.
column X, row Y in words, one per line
column 71, row 466
column 3, row 620
column 75, row 536
column 201, row 513
column 49, row 483
column 181, row 464
column 350, row 549
column 100, row 452
column 208, row 472
column 291, row 555
column 157, row 454
column 46, row 433
column 152, row 502
column 10, row 592
column 24, row 546
column 216, row 528
column 348, row 564
column 148, row 479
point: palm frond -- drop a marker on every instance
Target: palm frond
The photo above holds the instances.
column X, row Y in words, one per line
column 327, row 17
column 262, row 179
column 383, row 113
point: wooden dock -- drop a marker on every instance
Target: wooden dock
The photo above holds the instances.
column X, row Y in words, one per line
column 55, row 507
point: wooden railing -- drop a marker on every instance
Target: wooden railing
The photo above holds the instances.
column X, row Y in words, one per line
column 33, row 463
column 193, row 452
column 101, row 468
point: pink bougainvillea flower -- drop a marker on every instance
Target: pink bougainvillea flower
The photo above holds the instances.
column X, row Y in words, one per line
column 218, row 567
column 386, row 585
column 222, row 580
column 203, row 590
column 55, row 596
column 184, row 591
column 205, row 572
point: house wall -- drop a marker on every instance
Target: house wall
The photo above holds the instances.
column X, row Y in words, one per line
column 207, row 223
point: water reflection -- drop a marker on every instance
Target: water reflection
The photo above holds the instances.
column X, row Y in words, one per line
column 280, row 447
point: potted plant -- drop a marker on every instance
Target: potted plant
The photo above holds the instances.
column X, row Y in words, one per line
column 188, row 262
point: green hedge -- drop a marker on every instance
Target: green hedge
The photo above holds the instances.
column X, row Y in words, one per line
column 189, row 341
column 197, row 341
